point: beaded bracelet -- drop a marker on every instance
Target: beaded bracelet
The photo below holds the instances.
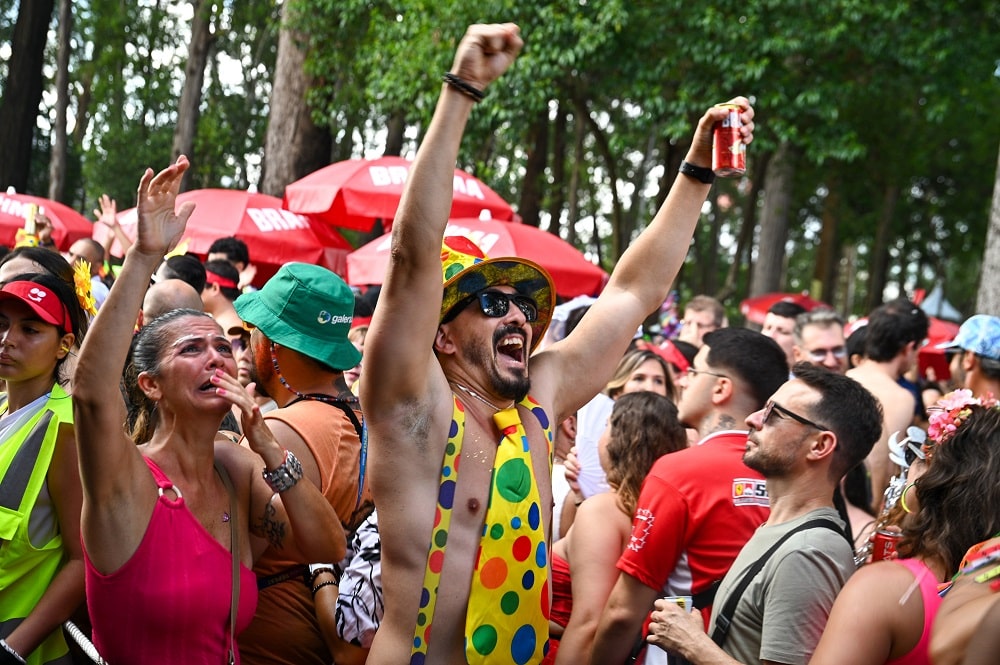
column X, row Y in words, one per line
column 316, row 572
column 464, row 87
column 323, row 584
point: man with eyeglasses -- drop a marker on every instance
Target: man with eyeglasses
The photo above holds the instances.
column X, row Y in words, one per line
column 819, row 339
column 697, row 507
column 777, row 595
column 448, row 370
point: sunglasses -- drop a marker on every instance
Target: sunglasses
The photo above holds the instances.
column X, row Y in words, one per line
column 496, row 304
column 239, row 343
column 773, row 406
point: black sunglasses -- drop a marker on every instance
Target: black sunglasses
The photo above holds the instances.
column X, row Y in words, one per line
column 496, row 304
column 773, row 406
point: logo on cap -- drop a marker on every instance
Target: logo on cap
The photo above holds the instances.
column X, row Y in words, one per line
column 36, row 295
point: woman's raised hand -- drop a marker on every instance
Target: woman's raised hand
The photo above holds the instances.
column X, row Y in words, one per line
column 160, row 226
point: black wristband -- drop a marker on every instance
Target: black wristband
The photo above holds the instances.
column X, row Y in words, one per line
column 464, row 87
column 699, row 173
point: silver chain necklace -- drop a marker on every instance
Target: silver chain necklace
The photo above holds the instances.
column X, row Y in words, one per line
column 475, row 395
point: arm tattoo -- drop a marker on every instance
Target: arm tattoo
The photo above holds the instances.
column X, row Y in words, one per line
column 270, row 528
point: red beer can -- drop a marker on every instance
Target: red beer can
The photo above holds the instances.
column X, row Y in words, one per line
column 884, row 544
column 729, row 153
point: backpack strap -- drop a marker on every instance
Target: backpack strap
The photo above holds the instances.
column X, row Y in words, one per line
column 724, row 620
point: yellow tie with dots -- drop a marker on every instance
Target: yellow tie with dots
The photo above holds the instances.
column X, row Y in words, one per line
column 508, row 612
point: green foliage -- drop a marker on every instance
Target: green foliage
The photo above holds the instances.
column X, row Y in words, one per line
column 876, row 97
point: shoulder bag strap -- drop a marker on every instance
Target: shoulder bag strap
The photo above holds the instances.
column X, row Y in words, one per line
column 360, row 427
column 723, row 621
column 234, row 537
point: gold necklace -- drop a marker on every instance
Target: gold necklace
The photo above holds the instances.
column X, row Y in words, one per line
column 475, row 395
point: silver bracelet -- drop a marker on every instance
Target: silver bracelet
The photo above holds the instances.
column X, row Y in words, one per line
column 9, row 649
column 286, row 475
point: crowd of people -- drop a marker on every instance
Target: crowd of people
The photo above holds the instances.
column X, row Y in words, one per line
column 190, row 466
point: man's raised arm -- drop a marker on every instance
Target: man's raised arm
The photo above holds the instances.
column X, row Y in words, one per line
column 642, row 277
column 399, row 343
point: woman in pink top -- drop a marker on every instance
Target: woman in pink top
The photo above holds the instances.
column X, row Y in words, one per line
column 157, row 516
column 885, row 612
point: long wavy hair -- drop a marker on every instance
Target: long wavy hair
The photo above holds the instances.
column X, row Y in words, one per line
column 959, row 494
column 644, row 427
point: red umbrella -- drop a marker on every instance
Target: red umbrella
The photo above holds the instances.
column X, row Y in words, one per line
column 931, row 357
column 573, row 274
column 273, row 235
column 354, row 193
column 68, row 225
column 755, row 309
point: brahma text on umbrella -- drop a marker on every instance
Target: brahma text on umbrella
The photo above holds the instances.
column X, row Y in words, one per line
column 14, row 207
column 272, row 219
column 385, row 176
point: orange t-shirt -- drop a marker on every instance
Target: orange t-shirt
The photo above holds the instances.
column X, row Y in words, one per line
column 285, row 629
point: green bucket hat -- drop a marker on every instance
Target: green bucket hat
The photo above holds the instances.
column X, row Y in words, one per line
column 467, row 271
column 308, row 309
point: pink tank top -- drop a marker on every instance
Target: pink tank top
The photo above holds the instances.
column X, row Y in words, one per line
column 170, row 602
column 919, row 655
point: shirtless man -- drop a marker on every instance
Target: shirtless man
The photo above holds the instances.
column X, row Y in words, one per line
column 430, row 358
column 895, row 333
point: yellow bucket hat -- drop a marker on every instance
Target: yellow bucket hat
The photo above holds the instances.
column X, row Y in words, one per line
column 467, row 271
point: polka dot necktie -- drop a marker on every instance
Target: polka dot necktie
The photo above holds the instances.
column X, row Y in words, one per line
column 507, row 618
column 509, row 601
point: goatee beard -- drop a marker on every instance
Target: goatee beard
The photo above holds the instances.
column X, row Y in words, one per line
column 508, row 387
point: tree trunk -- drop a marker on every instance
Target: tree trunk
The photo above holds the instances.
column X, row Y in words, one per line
column 575, row 178
column 988, row 297
column 825, row 273
column 530, row 204
column 189, row 107
column 748, row 224
column 557, row 192
column 60, row 152
column 604, row 148
column 23, row 92
column 294, row 146
column 879, row 269
column 395, row 134
column 774, row 220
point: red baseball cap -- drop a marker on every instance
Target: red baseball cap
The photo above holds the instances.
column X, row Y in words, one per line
column 43, row 302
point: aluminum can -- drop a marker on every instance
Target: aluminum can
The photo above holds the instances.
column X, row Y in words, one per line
column 884, row 544
column 729, row 153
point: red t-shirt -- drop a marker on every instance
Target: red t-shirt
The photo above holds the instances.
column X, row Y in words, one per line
column 696, row 510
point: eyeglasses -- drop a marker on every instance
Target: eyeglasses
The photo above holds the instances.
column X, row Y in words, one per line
column 496, row 304
column 692, row 372
column 238, row 343
column 819, row 355
column 773, row 406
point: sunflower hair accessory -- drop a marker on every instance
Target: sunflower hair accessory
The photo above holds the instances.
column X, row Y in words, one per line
column 83, row 287
column 950, row 413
